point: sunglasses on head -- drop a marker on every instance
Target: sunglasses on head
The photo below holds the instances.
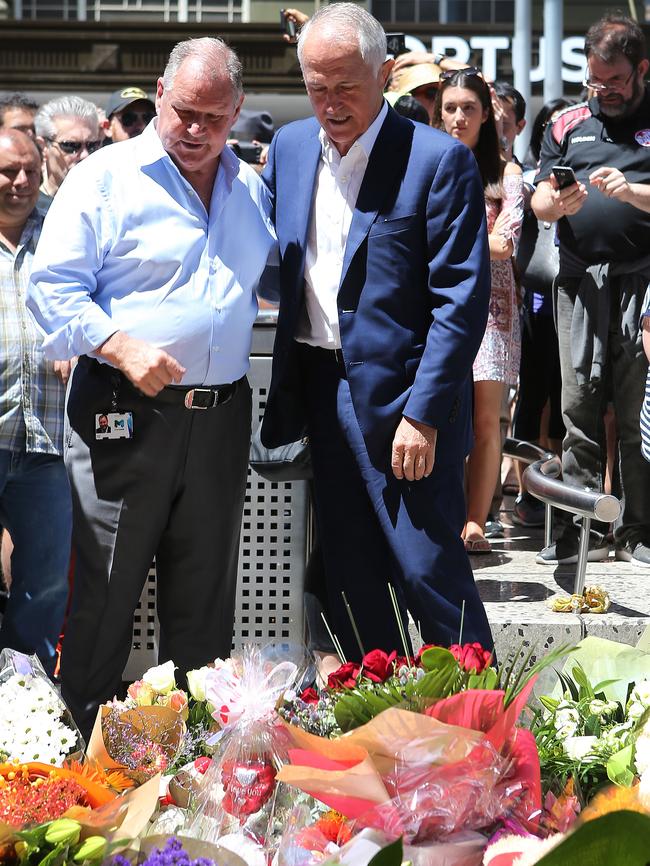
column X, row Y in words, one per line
column 448, row 74
column 72, row 147
column 129, row 118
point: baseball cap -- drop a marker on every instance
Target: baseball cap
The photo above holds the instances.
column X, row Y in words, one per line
column 252, row 124
column 119, row 99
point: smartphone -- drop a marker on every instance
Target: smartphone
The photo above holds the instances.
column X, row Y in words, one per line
column 564, row 175
column 248, row 151
column 396, row 44
column 287, row 24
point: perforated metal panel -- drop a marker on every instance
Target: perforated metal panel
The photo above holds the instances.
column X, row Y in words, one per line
column 272, row 554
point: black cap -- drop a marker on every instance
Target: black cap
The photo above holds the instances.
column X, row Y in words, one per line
column 251, row 125
column 119, row 99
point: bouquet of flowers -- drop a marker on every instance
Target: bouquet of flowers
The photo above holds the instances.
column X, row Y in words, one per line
column 143, row 734
column 594, row 731
column 237, row 800
column 35, row 724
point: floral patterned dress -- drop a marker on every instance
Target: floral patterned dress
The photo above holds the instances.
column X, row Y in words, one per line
column 500, row 352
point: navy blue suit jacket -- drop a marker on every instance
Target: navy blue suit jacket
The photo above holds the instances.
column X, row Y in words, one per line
column 414, row 291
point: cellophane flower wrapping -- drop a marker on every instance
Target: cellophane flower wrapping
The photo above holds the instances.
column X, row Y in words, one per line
column 35, row 724
column 239, row 797
column 432, row 778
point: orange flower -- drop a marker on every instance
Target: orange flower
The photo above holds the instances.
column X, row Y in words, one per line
column 613, row 799
column 93, row 771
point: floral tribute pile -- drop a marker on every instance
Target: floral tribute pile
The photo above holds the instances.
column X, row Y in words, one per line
column 435, row 759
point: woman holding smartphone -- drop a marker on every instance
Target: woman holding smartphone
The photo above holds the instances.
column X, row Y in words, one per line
column 464, row 110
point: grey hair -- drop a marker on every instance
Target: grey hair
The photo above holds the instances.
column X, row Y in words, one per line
column 347, row 21
column 214, row 54
column 64, row 106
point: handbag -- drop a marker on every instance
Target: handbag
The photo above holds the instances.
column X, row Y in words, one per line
column 290, row 462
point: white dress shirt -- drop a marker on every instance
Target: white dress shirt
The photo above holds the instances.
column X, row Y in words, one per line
column 128, row 245
column 338, row 181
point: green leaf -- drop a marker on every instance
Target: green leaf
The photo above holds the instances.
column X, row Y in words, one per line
column 436, row 657
column 568, row 686
column 618, row 839
column 56, row 856
column 620, row 767
column 391, row 855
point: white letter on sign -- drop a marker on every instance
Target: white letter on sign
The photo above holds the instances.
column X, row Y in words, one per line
column 455, row 44
column 490, row 46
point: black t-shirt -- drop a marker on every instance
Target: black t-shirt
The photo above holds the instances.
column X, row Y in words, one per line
column 604, row 229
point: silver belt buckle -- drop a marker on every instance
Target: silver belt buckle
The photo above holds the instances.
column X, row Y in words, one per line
column 189, row 398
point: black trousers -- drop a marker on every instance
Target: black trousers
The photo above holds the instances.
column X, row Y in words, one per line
column 175, row 491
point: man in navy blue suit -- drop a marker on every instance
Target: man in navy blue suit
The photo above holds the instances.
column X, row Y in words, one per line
column 385, row 286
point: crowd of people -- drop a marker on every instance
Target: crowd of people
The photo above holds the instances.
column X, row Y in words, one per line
column 429, row 286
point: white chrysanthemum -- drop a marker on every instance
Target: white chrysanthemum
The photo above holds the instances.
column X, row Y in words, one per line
column 31, row 728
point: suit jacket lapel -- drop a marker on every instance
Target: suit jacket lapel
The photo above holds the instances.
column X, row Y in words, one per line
column 308, row 161
column 384, row 164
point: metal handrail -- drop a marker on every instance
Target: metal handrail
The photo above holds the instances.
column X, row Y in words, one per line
column 541, row 477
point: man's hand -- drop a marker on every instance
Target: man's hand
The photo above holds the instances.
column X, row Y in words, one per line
column 414, row 450
column 149, row 369
column 63, row 369
column 569, row 201
column 611, row 182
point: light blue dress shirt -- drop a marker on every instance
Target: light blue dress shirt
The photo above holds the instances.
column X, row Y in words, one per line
column 127, row 245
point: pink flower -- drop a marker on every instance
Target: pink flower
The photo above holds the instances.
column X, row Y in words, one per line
column 177, row 700
column 142, row 693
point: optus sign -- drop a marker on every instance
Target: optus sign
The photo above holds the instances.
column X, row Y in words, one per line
column 491, row 51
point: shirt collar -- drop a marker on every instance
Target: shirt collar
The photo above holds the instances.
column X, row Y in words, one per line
column 31, row 230
column 150, row 150
column 365, row 142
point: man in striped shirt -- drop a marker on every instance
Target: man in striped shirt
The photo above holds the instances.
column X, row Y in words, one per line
column 34, row 494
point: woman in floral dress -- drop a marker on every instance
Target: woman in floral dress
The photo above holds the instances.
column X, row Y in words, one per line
column 464, row 110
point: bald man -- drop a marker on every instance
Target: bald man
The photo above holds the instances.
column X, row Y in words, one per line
column 34, row 494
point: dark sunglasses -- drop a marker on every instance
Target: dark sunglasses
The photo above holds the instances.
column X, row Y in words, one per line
column 448, row 74
column 71, row 147
column 129, row 118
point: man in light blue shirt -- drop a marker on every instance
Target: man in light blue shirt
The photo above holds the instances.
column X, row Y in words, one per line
column 147, row 270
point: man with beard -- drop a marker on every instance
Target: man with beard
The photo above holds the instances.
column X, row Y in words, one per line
column 604, row 225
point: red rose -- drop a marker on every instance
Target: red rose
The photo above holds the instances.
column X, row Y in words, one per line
column 344, row 677
column 471, row 656
column 309, row 696
column 378, row 666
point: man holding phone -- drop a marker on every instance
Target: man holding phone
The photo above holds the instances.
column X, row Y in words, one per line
column 594, row 179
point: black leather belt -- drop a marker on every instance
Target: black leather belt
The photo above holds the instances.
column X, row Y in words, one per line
column 194, row 397
column 198, row 397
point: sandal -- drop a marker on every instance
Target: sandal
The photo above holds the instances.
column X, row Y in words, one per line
column 477, row 545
